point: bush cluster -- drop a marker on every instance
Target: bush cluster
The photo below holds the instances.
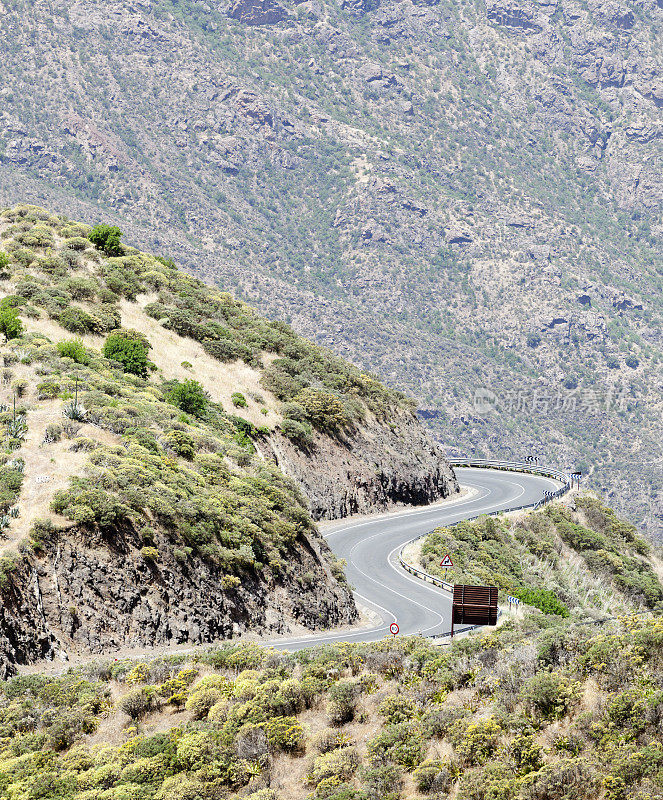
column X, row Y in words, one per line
column 486, row 702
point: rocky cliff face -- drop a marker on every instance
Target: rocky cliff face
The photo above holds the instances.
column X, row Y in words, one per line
column 378, row 467
column 455, row 195
column 101, row 596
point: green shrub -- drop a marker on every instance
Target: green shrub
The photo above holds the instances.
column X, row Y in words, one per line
column 475, row 741
column 300, row 433
column 401, row 743
column 80, row 288
column 47, row 390
column 227, row 350
column 190, row 396
column 323, row 410
column 397, row 709
column 201, row 701
column 77, row 243
column 548, row 694
column 338, row 765
column 53, row 433
column 75, row 320
column 544, row 599
column 181, row 443
column 383, row 781
column 284, row 733
column 106, row 238
column 139, row 702
column 130, row 349
column 10, row 325
column 149, row 553
column 238, row 400
column 38, row 236
column 342, row 702
column 433, row 776
column 73, row 349
column 74, row 229
column 53, row 265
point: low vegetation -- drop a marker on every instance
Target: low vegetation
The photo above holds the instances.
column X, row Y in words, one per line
column 570, row 712
column 558, row 560
column 160, row 465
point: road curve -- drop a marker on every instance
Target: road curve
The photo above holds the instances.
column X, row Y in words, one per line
column 370, row 548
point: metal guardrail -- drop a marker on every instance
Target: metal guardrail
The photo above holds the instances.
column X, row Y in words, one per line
column 511, row 466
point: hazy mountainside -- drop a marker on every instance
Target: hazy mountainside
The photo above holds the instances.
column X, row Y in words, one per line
column 141, row 410
column 458, row 195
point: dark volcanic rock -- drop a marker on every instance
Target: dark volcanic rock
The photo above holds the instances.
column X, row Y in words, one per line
column 382, row 466
column 96, row 594
column 258, row 12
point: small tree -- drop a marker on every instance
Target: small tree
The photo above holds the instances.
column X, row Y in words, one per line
column 10, row 324
column 190, row 396
column 130, row 348
column 107, row 238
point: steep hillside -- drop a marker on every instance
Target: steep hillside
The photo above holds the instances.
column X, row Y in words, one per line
column 458, row 195
column 571, row 712
column 573, row 559
column 140, row 409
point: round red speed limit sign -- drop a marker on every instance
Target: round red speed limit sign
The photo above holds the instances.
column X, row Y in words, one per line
column 393, row 628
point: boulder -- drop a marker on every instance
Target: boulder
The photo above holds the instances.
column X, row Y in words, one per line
column 455, row 234
column 516, row 16
column 258, row 12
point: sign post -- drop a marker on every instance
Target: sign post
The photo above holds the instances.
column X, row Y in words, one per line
column 393, row 629
column 446, row 563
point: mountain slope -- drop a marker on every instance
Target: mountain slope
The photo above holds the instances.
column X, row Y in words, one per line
column 459, row 196
column 140, row 501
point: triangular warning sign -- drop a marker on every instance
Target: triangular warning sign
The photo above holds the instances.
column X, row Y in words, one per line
column 446, row 561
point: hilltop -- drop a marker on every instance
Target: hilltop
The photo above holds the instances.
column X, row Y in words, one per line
column 455, row 195
column 157, row 436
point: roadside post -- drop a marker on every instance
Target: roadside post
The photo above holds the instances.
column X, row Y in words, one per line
column 512, row 601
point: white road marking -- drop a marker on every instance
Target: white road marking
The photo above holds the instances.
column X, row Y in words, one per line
column 430, row 510
column 451, row 507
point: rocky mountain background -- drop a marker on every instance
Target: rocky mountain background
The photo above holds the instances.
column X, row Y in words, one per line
column 465, row 197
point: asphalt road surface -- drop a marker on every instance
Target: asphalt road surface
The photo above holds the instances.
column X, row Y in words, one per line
column 370, row 548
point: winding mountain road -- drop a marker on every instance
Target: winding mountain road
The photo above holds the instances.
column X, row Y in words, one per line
column 370, row 548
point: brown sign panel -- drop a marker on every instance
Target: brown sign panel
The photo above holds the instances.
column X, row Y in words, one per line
column 474, row 605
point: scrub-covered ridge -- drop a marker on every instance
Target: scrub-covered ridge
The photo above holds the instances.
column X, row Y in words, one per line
column 569, row 712
column 141, row 409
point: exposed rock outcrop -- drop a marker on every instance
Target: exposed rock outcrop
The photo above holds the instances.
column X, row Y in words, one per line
column 99, row 595
column 258, row 12
column 378, row 468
